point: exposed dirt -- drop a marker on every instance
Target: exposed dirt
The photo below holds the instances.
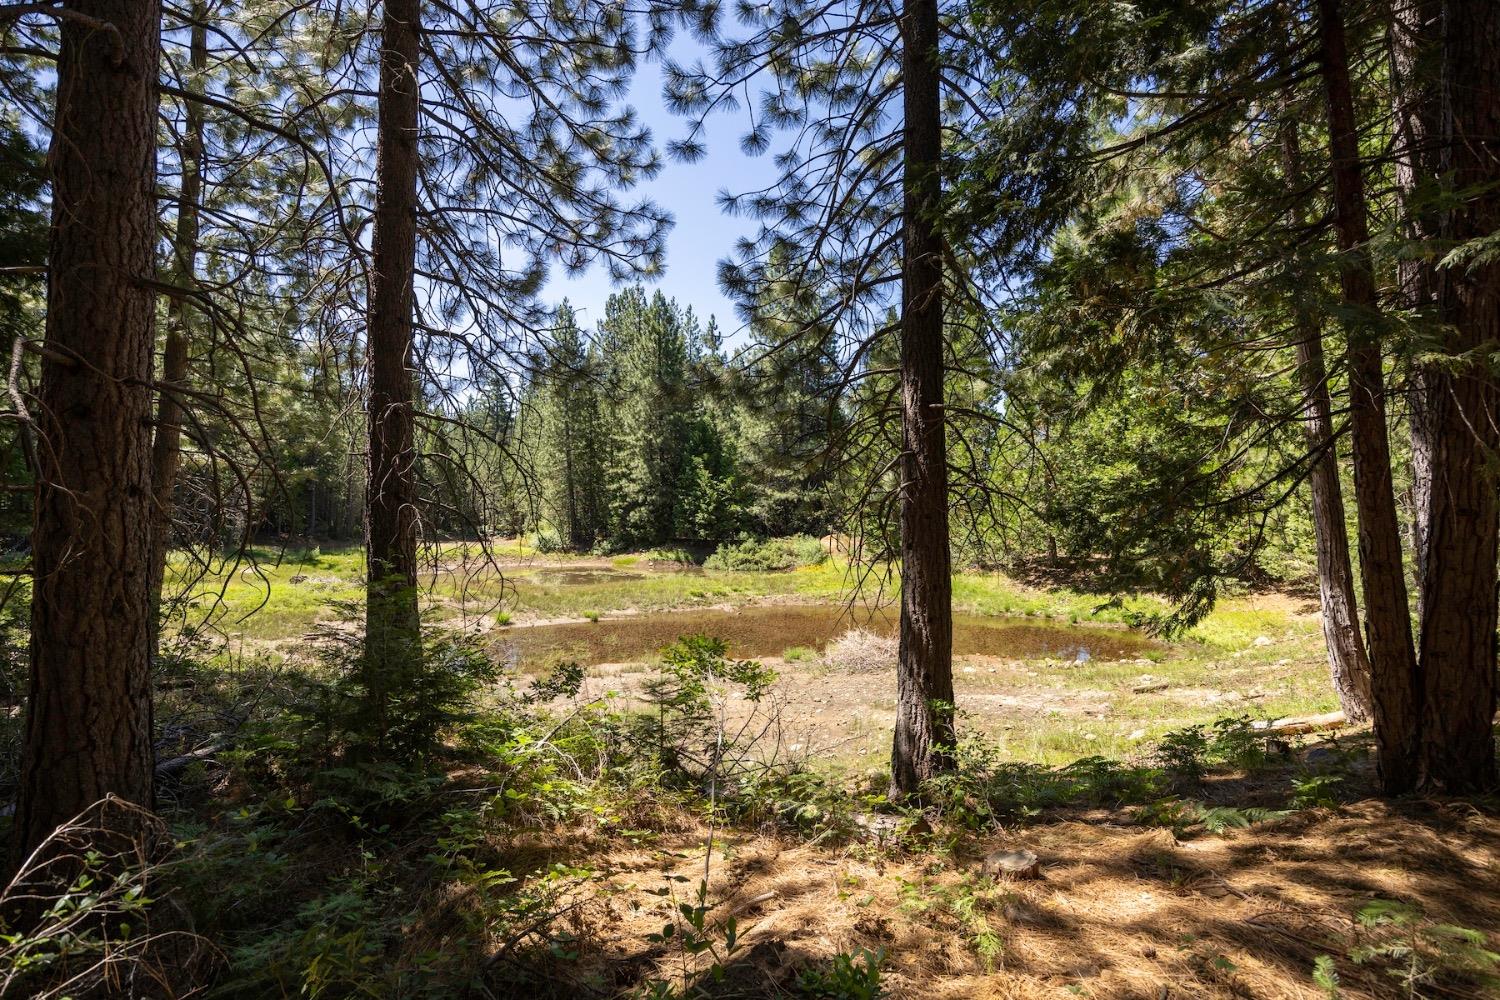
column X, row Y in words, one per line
column 1120, row 912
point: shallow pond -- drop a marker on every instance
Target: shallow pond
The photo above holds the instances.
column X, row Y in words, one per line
column 769, row 630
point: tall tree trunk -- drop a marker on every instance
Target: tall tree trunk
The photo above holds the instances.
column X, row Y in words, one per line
column 1395, row 689
column 1348, row 663
column 1458, row 589
column 166, row 449
column 1415, row 50
column 392, row 639
column 924, row 695
column 88, row 719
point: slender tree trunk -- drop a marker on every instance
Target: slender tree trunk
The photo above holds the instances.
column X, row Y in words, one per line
column 1394, row 683
column 924, row 699
column 1348, row 663
column 575, row 536
column 392, row 639
column 1458, row 589
column 88, row 719
column 166, row 449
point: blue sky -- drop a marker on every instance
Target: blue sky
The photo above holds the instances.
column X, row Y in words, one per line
column 703, row 235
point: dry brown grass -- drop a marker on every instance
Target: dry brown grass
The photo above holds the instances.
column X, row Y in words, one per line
column 861, row 652
column 1121, row 913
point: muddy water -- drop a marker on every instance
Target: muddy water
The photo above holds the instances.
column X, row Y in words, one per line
column 769, row 630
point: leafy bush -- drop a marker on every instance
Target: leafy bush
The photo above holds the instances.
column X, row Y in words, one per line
column 548, row 543
column 679, row 730
column 400, row 709
column 769, row 554
column 799, row 799
column 77, row 919
column 846, row 977
column 985, row 789
column 1187, row 753
column 670, row 554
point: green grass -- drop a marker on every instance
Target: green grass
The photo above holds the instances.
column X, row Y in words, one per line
column 269, row 594
column 281, row 595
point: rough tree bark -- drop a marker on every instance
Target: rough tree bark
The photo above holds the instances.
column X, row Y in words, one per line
column 166, row 449
column 924, row 700
column 88, row 722
column 392, row 623
column 1348, row 663
column 1395, row 687
column 1457, row 753
column 1417, row 153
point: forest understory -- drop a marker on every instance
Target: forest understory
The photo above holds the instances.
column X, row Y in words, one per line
column 573, row 813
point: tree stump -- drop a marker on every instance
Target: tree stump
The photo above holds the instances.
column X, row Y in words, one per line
column 1018, row 864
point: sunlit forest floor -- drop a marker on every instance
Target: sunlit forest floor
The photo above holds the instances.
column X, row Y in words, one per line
column 1180, row 850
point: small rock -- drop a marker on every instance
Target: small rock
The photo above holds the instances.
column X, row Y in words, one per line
column 1320, row 757
column 1136, row 734
column 1261, row 640
column 1018, row 864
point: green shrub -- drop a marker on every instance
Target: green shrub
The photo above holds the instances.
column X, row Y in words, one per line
column 1421, row 954
column 679, row 729
column 846, row 977
column 671, row 554
column 769, row 554
column 985, row 789
column 548, row 543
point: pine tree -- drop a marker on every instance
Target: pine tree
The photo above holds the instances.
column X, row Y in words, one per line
column 571, row 458
column 856, row 224
column 88, row 720
column 647, row 345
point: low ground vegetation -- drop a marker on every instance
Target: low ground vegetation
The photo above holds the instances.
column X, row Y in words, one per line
column 561, row 833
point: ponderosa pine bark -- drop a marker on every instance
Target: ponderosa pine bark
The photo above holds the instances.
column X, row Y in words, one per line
column 166, row 448
column 88, row 719
column 924, row 701
column 1348, row 663
column 1459, row 611
column 392, row 624
column 1395, row 689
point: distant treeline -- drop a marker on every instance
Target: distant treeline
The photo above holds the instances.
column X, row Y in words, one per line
column 647, row 431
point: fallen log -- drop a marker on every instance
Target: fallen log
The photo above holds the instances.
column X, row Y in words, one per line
column 1295, row 724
